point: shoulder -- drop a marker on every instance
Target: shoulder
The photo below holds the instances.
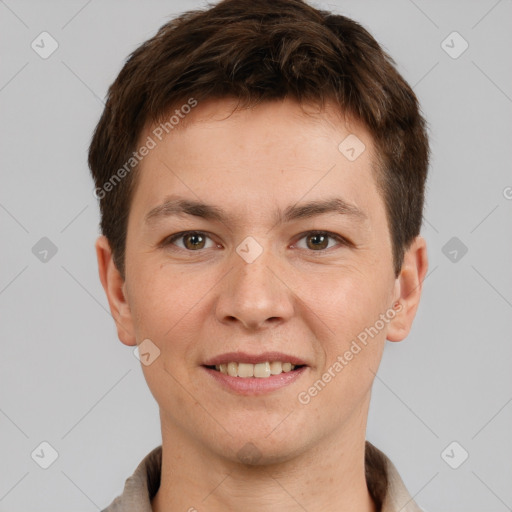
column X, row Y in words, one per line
column 385, row 484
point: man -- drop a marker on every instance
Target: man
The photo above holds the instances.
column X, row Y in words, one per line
column 260, row 167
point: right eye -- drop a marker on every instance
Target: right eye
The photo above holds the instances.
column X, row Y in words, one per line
column 193, row 241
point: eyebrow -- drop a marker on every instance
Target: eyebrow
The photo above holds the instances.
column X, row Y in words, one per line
column 178, row 206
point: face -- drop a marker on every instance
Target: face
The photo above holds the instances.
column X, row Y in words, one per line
column 261, row 276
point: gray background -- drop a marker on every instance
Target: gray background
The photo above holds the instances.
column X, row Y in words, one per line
column 67, row 380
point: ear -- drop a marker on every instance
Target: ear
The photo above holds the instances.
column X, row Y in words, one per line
column 408, row 287
column 114, row 287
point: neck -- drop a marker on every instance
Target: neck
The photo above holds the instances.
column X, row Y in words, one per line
column 328, row 477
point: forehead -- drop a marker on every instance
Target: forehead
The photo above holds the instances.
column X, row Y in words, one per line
column 287, row 119
column 276, row 152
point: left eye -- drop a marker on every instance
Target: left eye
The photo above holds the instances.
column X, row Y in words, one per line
column 194, row 240
column 320, row 240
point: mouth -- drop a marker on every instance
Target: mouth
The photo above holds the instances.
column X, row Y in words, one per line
column 263, row 370
column 260, row 366
column 255, row 374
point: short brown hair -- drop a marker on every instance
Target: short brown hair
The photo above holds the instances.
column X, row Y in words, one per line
column 261, row 50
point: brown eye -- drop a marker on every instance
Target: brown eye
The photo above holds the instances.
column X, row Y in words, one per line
column 192, row 240
column 318, row 241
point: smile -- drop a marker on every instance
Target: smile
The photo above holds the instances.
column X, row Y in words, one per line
column 259, row 370
column 253, row 385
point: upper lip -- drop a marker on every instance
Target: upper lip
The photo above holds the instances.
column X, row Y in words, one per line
column 243, row 357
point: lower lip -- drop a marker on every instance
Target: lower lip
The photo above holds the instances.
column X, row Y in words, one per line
column 255, row 385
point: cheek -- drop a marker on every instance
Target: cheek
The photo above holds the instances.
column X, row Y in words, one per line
column 348, row 302
column 164, row 307
column 355, row 340
column 352, row 354
column 161, row 301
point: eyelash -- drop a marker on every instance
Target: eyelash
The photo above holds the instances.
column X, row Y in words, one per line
column 341, row 240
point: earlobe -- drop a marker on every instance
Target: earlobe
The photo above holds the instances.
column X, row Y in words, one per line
column 408, row 287
column 114, row 287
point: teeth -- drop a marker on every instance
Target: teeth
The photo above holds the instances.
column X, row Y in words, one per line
column 259, row 370
column 232, row 369
column 287, row 367
column 276, row 368
column 245, row 370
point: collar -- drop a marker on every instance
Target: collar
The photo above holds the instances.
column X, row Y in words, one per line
column 384, row 483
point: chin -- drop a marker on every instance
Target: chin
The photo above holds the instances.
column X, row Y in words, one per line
column 261, row 449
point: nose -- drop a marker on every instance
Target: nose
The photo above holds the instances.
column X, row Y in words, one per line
column 255, row 295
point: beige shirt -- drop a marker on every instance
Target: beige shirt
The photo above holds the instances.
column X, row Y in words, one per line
column 384, row 483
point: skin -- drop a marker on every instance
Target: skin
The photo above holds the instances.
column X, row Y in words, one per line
column 295, row 298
